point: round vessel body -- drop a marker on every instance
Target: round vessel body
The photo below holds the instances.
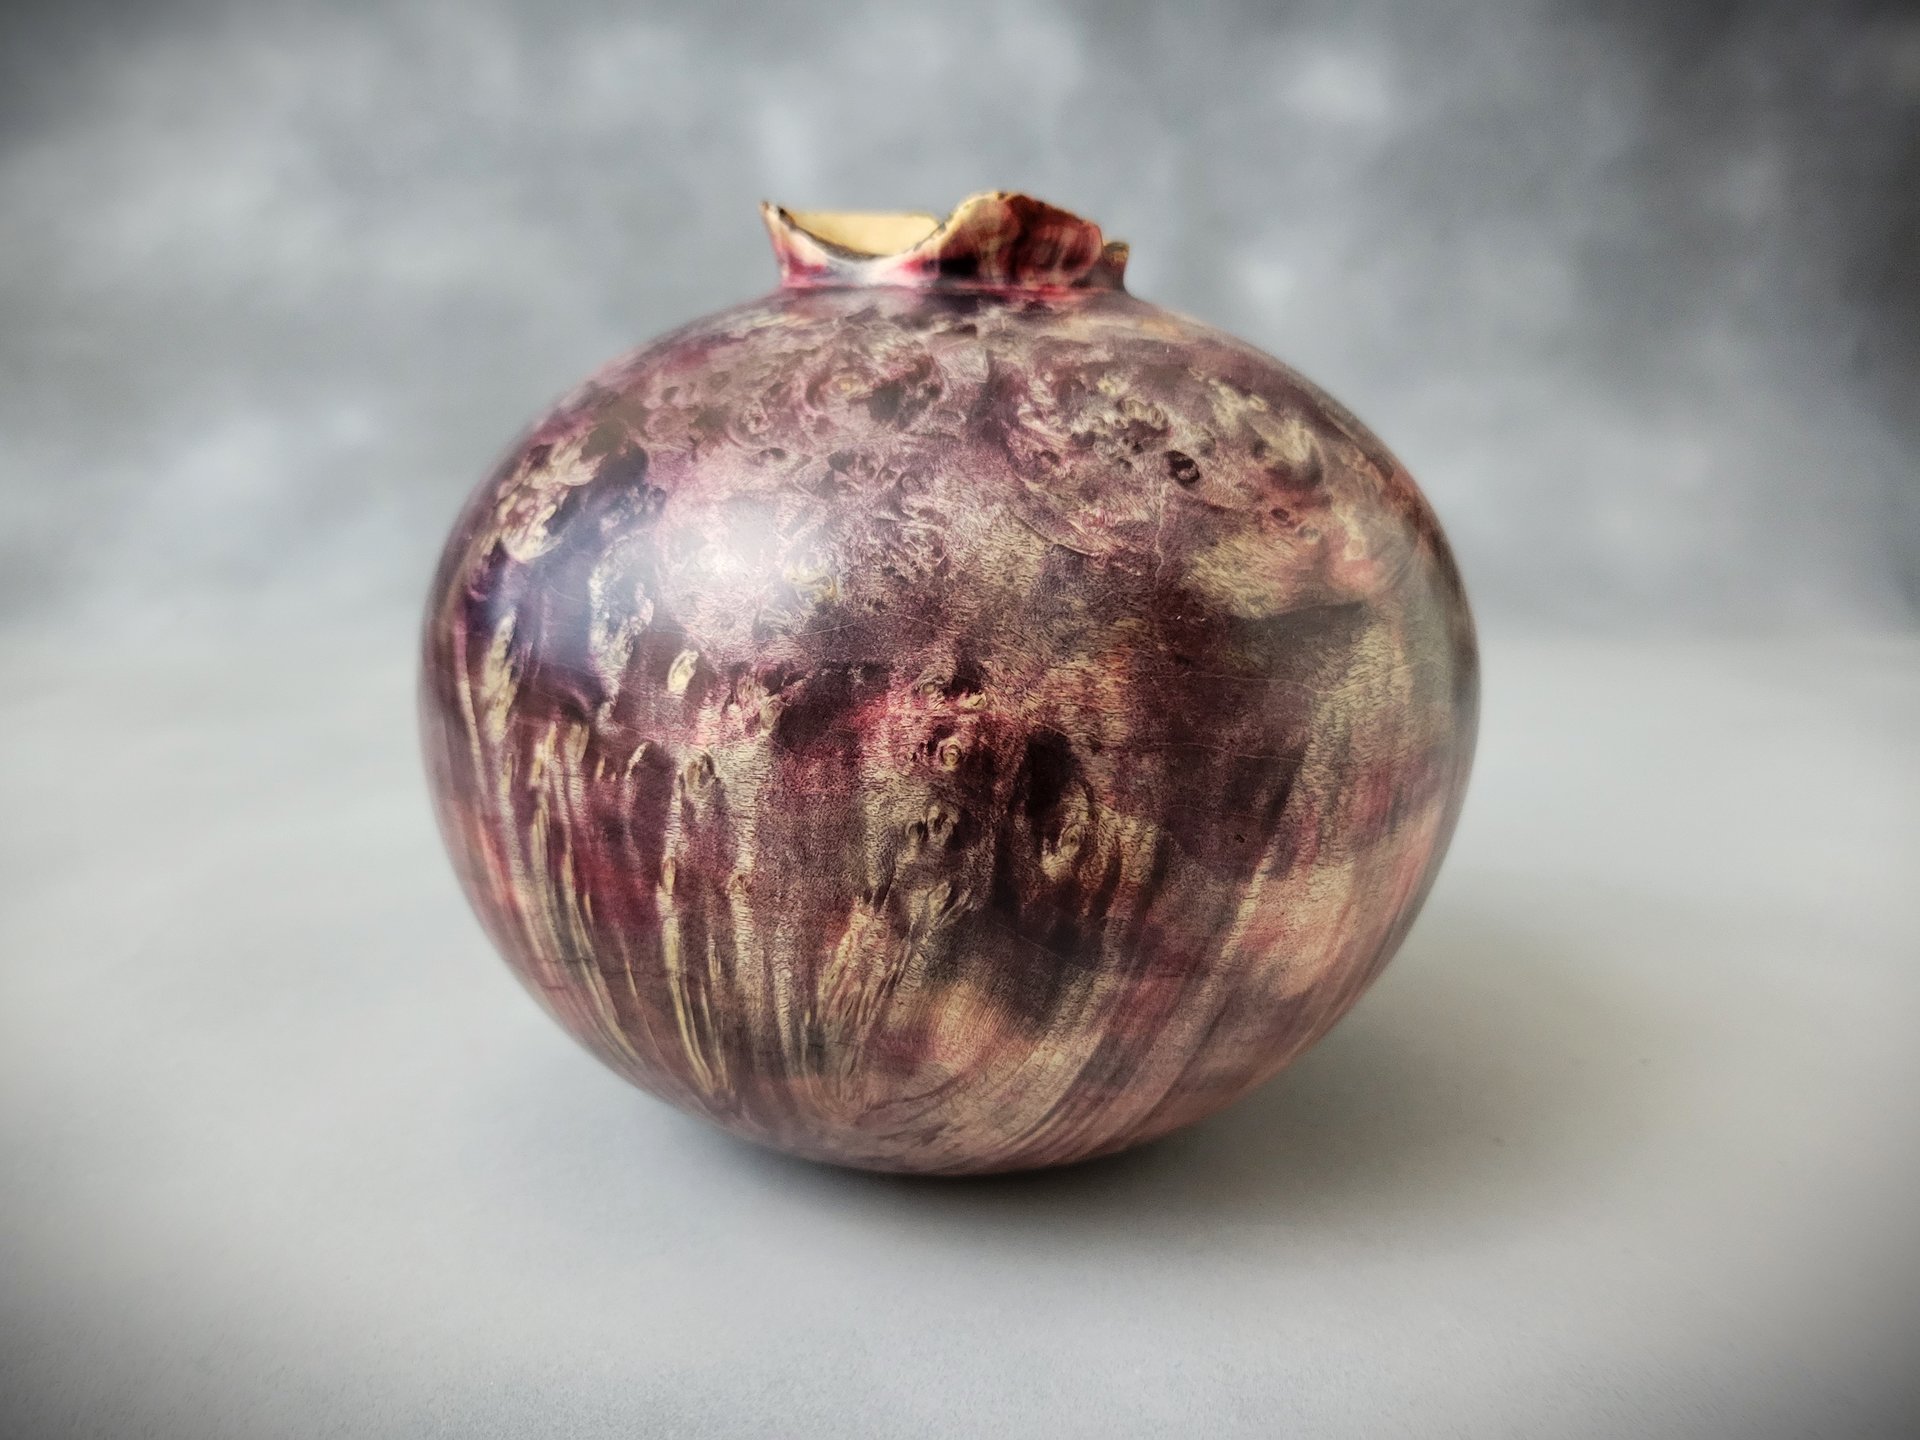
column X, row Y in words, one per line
column 947, row 725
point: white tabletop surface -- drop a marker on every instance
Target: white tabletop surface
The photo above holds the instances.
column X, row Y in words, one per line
column 1627, row 1141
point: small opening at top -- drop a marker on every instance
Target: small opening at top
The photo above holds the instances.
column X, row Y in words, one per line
column 996, row 240
column 866, row 232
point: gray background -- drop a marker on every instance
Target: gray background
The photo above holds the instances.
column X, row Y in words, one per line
column 1625, row 1142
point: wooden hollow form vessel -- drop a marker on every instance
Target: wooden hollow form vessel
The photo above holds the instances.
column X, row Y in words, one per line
column 948, row 715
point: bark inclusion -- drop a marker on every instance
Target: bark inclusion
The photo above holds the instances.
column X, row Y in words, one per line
column 934, row 724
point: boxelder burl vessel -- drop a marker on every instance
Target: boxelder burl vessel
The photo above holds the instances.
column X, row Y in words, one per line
column 948, row 715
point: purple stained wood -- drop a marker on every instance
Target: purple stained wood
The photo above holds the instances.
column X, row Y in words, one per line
column 948, row 715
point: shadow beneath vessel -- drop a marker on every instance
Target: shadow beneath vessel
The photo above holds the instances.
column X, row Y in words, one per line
column 1489, row 1073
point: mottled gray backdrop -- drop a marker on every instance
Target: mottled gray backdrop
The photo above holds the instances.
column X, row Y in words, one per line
column 1630, row 284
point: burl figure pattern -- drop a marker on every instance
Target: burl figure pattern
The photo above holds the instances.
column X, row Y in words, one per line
column 948, row 715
